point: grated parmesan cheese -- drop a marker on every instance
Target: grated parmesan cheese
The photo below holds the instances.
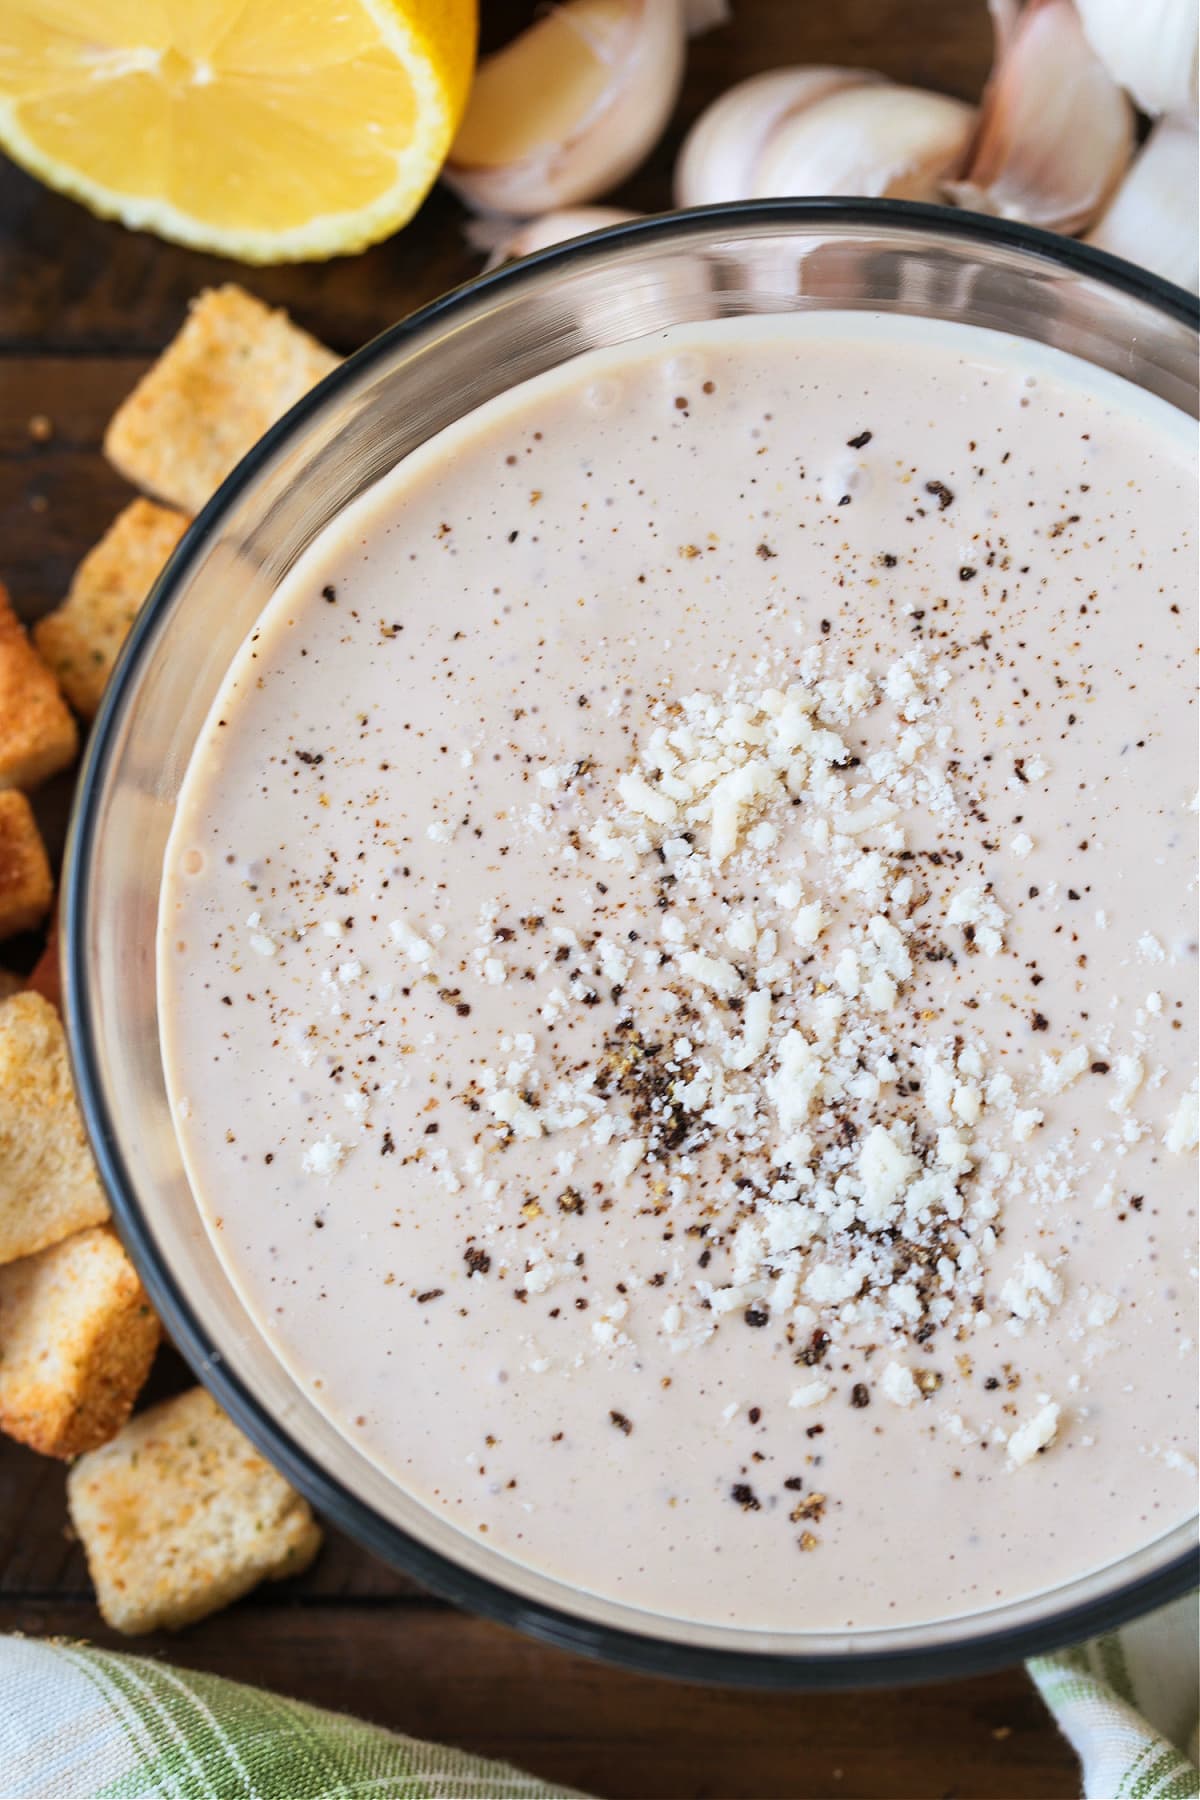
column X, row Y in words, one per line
column 1037, row 1433
column 324, row 1157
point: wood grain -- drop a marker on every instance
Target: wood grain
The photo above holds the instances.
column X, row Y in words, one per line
column 84, row 306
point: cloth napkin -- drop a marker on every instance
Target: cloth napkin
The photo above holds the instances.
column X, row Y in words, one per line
column 84, row 1724
column 1130, row 1705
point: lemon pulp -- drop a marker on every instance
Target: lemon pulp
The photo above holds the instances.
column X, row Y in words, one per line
column 261, row 130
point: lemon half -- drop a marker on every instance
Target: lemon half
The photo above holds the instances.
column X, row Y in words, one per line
column 267, row 130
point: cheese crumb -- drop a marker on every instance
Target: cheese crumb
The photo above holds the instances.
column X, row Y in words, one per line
column 975, row 907
column 509, row 1108
column 885, row 1167
column 650, row 802
column 897, row 1385
column 415, row 947
column 756, row 1031
column 1102, row 1308
column 1130, row 1072
column 1036, row 1434
column 809, row 923
column 713, row 971
column 1183, row 1133
column 1059, row 1072
column 323, row 1157
column 811, row 1394
column 629, row 1155
column 1032, row 1290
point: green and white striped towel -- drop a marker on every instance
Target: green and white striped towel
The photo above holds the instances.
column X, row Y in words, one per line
column 1130, row 1705
column 84, row 1724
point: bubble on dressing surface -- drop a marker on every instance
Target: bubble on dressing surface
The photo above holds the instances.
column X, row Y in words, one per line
column 603, row 396
column 685, row 367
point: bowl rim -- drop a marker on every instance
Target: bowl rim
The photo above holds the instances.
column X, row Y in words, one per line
column 989, row 1648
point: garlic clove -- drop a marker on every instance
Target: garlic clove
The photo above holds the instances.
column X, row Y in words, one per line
column 876, row 140
column 1152, row 218
column 1151, row 49
column 1005, row 18
column 570, row 107
column 506, row 239
column 720, row 154
column 1055, row 131
column 700, row 16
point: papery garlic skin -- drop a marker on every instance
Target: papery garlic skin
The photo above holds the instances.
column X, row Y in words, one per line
column 569, row 108
column 878, row 140
column 506, row 239
column 1055, row 131
column 1152, row 218
column 721, row 153
column 1150, row 48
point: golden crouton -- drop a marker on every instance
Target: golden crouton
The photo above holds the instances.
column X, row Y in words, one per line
column 180, row 1515
column 233, row 369
column 37, row 733
column 48, row 1182
column 81, row 639
column 26, row 888
column 77, row 1337
column 44, row 977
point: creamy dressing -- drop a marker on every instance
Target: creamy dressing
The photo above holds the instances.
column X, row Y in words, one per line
column 678, row 972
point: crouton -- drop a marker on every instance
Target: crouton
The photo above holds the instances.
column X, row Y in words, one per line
column 37, row 733
column 26, row 888
column 44, row 977
column 180, row 1515
column 80, row 640
column 48, row 1182
column 77, row 1337
column 232, row 370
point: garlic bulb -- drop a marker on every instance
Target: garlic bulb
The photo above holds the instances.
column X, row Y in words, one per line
column 720, row 155
column 1150, row 48
column 570, row 107
column 1152, row 218
column 506, row 239
column 872, row 139
column 1055, row 132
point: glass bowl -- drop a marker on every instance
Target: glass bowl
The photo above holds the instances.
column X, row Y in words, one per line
column 415, row 379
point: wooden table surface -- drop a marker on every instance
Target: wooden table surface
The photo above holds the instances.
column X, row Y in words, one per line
column 84, row 306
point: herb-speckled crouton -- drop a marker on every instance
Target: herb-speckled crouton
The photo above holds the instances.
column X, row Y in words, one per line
column 26, row 885
column 48, row 1183
column 180, row 1515
column 77, row 1337
column 37, row 733
column 81, row 639
column 234, row 368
